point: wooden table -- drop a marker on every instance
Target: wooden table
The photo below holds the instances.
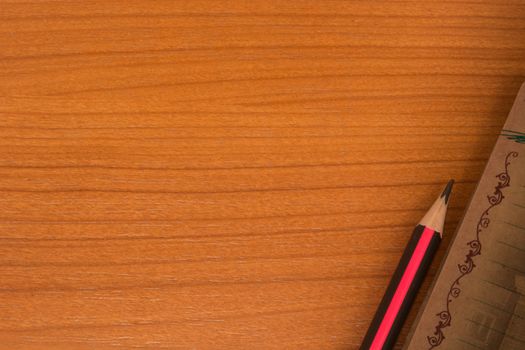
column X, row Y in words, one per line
column 233, row 175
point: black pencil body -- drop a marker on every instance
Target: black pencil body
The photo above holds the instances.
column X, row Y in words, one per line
column 414, row 285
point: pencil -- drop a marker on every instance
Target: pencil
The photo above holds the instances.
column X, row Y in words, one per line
column 408, row 276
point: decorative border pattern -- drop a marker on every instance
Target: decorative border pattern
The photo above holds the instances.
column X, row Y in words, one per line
column 496, row 198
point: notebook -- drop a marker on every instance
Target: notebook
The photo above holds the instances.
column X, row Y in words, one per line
column 477, row 300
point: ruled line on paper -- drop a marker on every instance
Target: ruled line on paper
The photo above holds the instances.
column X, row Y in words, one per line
column 503, row 287
column 521, row 341
column 519, row 205
column 469, row 343
column 511, row 246
column 499, row 308
column 514, row 225
column 506, row 266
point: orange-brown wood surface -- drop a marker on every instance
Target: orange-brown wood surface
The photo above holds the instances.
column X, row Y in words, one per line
column 233, row 175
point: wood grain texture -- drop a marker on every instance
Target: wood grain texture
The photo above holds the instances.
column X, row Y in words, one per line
column 233, row 175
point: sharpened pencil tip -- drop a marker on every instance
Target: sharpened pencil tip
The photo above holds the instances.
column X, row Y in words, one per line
column 447, row 190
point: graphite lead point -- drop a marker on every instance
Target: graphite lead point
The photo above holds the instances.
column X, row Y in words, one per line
column 447, row 190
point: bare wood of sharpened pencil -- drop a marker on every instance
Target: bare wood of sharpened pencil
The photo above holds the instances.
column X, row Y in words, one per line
column 435, row 216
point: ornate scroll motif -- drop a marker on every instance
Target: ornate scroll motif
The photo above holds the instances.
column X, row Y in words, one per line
column 468, row 265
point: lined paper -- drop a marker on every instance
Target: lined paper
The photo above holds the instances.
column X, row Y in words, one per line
column 478, row 298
